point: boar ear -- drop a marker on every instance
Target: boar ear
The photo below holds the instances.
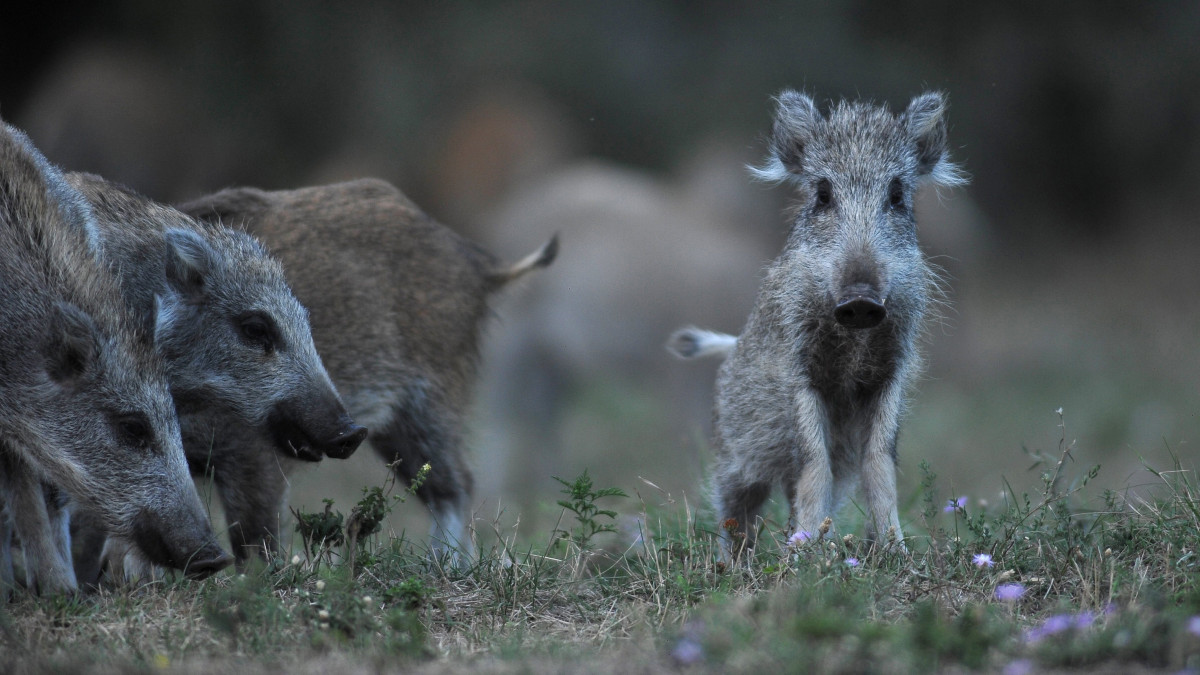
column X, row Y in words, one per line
column 73, row 345
column 189, row 262
column 925, row 122
column 796, row 119
column 165, row 314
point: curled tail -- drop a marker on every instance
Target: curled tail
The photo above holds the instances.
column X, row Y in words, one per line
column 692, row 342
column 500, row 277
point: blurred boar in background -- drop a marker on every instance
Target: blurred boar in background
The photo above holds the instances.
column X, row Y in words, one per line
column 575, row 376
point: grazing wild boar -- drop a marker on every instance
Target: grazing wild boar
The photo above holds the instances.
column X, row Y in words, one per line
column 812, row 392
column 397, row 303
column 85, row 405
column 236, row 343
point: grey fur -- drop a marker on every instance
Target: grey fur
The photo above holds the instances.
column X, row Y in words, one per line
column 397, row 303
column 85, row 406
column 236, row 342
column 813, row 392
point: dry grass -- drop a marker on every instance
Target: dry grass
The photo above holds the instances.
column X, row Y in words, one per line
column 1105, row 584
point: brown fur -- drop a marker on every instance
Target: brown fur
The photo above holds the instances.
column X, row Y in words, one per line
column 397, row 303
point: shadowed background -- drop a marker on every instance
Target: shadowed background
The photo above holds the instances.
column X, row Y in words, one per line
column 626, row 126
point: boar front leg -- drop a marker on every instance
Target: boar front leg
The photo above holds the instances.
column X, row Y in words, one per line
column 813, row 494
column 41, row 520
column 879, row 467
column 253, row 491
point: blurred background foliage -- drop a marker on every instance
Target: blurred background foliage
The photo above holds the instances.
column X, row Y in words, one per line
column 1071, row 256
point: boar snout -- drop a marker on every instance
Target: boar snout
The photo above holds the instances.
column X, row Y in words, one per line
column 169, row 545
column 347, row 440
column 207, row 562
column 309, row 442
column 859, row 307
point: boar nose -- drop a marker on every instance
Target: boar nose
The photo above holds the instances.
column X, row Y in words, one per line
column 208, row 562
column 345, row 443
column 178, row 541
column 859, row 308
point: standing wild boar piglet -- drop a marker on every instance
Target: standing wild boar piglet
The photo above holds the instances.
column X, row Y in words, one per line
column 397, row 303
column 813, row 390
column 85, row 405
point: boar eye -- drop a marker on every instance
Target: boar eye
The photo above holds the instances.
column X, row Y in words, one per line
column 257, row 329
column 134, row 429
column 896, row 194
column 824, row 193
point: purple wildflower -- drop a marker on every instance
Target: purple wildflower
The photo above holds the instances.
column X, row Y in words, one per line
column 687, row 651
column 800, row 537
column 983, row 560
column 1009, row 592
column 1084, row 620
column 1193, row 626
column 1052, row 626
column 953, row 505
column 853, row 562
column 1019, row 667
column 1058, row 623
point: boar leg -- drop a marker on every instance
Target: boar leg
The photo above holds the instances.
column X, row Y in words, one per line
column 40, row 520
column 419, row 434
column 253, row 493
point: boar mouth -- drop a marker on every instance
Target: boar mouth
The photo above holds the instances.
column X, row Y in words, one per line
column 293, row 440
column 203, row 562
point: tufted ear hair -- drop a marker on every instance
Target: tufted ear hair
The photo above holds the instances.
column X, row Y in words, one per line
column 925, row 122
column 796, row 119
column 73, row 345
column 190, row 260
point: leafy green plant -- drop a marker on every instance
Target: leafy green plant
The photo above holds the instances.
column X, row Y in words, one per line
column 324, row 531
column 581, row 501
column 320, row 531
column 246, row 611
column 411, row 594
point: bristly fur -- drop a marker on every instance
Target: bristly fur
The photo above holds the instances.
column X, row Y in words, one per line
column 198, row 286
column 813, row 391
column 85, row 405
column 945, row 172
column 398, row 304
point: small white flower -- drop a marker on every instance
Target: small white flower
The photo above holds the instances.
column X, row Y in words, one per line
column 320, row 585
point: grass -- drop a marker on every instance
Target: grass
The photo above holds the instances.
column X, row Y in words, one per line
column 1054, row 579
